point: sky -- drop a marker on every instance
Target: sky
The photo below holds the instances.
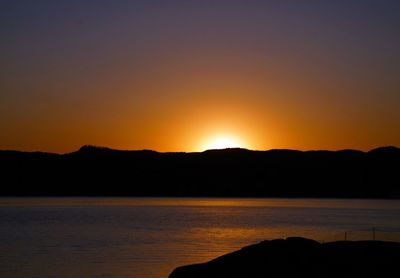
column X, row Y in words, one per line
column 190, row 75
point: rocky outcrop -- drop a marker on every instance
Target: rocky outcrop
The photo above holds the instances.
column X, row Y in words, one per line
column 300, row 257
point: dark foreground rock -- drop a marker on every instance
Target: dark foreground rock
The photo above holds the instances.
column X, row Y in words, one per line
column 300, row 257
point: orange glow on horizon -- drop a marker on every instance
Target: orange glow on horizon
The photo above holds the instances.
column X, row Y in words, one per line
column 223, row 142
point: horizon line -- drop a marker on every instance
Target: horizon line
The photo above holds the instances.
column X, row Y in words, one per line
column 89, row 146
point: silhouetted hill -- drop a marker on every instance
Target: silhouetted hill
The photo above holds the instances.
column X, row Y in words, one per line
column 230, row 172
column 300, row 257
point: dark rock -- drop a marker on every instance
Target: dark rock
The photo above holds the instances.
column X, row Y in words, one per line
column 300, row 257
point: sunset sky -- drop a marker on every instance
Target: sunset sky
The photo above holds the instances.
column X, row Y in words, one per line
column 190, row 75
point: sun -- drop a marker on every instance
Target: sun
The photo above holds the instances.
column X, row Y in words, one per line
column 222, row 142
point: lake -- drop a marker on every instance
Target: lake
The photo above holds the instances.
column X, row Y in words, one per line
column 149, row 237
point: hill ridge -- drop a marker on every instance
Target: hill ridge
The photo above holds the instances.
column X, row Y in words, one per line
column 95, row 171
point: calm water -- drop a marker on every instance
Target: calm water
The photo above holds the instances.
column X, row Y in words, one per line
column 147, row 237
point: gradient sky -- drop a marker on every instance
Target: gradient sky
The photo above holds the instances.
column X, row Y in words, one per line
column 173, row 75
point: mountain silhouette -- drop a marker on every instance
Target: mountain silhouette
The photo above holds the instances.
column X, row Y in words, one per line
column 99, row 171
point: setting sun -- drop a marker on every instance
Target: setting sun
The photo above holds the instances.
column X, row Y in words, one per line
column 222, row 142
column 159, row 134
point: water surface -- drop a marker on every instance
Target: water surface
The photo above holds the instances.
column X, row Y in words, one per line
column 148, row 237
